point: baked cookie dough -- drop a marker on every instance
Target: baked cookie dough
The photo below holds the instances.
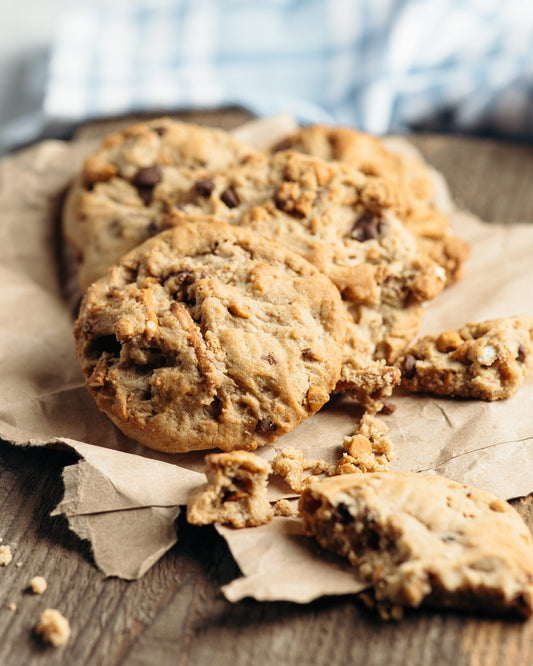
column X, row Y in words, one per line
column 209, row 336
column 344, row 223
column 417, row 206
column 235, row 493
column 423, row 539
column 119, row 198
column 488, row 360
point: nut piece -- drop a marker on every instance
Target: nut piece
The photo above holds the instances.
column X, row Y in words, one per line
column 38, row 584
column 5, row 555
column 53, row 628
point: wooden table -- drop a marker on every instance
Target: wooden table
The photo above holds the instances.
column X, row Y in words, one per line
column 176, row 614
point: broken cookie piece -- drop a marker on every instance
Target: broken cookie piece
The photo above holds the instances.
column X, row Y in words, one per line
column 235, row 493
column 487, row 360
column 423, row 539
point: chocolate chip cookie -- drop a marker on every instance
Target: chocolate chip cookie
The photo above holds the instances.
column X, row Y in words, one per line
column 209, row 336
column 423, row 539
column 416, row 207
column 488, row 360
column 343, row 222
column 118, row 200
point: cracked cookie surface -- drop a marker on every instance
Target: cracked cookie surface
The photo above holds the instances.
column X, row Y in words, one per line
column 119, row 198
column 209, row 336
column 423, row 539
column 344, row 223
column 488, row 360
column 417, row 206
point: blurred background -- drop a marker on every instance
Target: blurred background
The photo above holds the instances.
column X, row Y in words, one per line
column 380, row 65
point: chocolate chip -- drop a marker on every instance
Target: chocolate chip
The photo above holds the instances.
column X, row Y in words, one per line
column 342, row 514
column 230, row 198
column 282, row 145
column 269, row 359
column 160, row 130
column 372, row 539
column 366, row 228
column 147, row 177
column 265, row 425
column 409, row 366
column 152, row 229
column 521, row 354
column 388, row 408
column 106, row 344
column 215, row 408
column 204, row 187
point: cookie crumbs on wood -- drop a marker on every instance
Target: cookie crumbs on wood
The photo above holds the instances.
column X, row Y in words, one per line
column 53, row 627
column 38, row 585
column 12, row 606
column 5, row 555
column 235, row 493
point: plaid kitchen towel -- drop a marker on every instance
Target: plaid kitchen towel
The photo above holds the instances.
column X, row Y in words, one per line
column 380, row 65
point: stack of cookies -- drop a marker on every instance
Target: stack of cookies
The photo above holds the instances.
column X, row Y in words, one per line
column 327, row 247
column 229, row 292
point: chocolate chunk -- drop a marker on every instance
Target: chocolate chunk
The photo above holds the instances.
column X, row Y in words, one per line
column 409, row 366
column 230, row 198
column 282, row 145
column 265, row 425
column 366, row 228
column 160, row 130
column 152, row 229
column 204, row 187
column 521, row 354
column 147, row 177
column 269, row 359
column 107, row 344
column 388, row 408
column 342, row 514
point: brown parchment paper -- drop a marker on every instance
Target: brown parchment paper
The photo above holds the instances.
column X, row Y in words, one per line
column 122, row 494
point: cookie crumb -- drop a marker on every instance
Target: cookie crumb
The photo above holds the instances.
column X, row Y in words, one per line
column 38, row 584
column 291, row 464
column 12, row 606
column 367, row 450
column 5, row 555
column 285, row 508
column 18, row 564
column 53, row 628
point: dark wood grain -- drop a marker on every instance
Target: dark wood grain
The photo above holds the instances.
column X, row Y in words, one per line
column 176, row 614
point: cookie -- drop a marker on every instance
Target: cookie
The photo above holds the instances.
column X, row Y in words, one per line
column 118, row 200
column 488, row 360
column 344, row 223
column 423, row 539
column 417, row 206
column 235, row 493
column 209, row 336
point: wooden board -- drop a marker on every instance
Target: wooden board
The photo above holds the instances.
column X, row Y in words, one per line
column 176, row 614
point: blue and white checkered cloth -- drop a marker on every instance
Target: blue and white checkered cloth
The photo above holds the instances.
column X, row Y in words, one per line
column 380, row 65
